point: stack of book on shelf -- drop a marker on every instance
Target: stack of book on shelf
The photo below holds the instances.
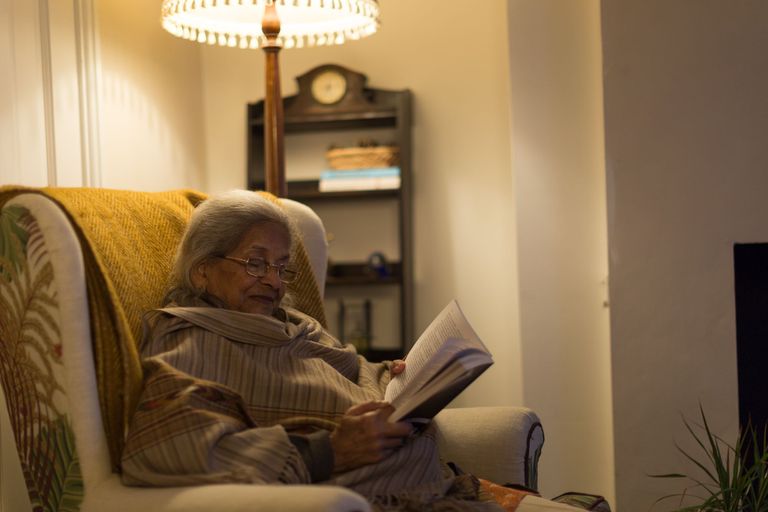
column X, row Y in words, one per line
column 378, row 178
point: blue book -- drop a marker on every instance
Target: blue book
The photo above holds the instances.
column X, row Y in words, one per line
column 377, row 172
column 360, row 179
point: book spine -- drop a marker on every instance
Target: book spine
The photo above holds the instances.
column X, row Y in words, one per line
column 373, row 183
column 379, row 178
column 377, row 172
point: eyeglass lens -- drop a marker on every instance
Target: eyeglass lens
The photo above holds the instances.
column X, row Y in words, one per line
column 258, row 267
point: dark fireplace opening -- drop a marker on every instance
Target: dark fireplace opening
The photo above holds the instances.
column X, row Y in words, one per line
column 751, row 282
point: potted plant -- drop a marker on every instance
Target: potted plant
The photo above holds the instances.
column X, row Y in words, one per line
column 734, row 477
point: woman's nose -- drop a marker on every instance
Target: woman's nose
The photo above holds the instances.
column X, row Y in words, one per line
column 272, row 278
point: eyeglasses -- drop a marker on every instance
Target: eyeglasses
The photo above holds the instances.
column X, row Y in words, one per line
column 258, row 267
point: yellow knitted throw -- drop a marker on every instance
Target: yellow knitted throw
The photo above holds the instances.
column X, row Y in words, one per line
column 128, row 241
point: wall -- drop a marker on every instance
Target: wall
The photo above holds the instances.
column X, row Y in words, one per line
column 22, row 122
column 557, row 148
column 150, row 103
column 686, row 117
column 96, row 93
column 464, row 221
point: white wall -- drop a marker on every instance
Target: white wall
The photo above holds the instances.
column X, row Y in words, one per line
column 557, row 147
column 23, row 156
column 686, row 122
column 96, row 93
column 464, row 218
column 150, row 102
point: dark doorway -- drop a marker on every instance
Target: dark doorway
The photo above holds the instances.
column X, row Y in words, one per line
column 751, row 280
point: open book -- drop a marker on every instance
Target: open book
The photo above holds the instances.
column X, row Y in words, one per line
column 445, row 359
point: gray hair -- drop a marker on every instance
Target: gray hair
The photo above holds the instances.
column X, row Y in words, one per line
column 216, row 228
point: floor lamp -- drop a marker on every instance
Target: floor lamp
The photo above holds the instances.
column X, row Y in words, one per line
column 271, row 25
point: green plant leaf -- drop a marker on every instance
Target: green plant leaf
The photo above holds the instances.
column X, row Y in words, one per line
column 65, row 492
column 13, row 238
column 734, row 483
column 696, row 462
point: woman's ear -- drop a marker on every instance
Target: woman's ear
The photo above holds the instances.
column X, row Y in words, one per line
column 199, row 276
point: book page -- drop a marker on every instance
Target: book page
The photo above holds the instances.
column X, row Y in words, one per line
column 449, row 324
column 431, row 371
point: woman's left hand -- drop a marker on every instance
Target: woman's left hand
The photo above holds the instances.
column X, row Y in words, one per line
column 398, row 367
column 366, row 436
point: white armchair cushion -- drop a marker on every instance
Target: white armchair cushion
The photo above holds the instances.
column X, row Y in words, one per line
column 111, row 495
column 500, row 444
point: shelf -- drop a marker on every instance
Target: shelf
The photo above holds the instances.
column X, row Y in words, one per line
column 309, row 190
column 360, row 274
column 361, row 109
column 335, row 121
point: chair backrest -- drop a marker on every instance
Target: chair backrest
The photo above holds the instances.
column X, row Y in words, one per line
column 56, row 318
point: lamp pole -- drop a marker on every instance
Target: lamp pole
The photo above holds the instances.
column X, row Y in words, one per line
column 274, row 153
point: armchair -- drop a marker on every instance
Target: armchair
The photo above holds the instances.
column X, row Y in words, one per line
column 65, row 304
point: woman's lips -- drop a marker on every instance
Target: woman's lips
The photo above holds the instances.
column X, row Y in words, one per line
column 263, row 298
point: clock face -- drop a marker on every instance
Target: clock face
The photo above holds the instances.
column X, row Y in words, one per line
column 329, row 87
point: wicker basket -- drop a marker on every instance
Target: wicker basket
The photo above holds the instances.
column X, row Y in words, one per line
column 363, row 157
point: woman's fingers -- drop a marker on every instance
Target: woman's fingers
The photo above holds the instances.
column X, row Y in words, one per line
column 400, row 429
column 398, row 367
column 365, row 436
column 392, row 442
column 377, row 421
column 359, row 409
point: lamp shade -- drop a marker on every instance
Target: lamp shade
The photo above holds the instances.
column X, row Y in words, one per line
column 237, row 23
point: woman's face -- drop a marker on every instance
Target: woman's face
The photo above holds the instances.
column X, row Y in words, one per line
column 228, row 281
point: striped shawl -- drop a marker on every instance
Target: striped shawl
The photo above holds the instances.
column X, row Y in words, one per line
column 224, row 388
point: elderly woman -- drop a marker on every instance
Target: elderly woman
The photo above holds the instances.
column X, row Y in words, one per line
column 240, row 387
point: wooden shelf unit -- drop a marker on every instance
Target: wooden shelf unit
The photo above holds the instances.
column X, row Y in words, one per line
column 361, row 108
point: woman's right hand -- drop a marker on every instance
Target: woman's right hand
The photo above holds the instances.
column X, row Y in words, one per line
column 365, row 436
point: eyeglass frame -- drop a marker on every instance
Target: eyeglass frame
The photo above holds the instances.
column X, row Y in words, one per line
column 279, row 268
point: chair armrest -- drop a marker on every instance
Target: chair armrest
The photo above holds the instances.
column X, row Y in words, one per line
column 113, row 496
column 500, row 444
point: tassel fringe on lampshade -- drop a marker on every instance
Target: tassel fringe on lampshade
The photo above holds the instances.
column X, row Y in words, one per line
column 237, row 23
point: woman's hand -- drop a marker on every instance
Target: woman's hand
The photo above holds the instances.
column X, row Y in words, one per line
column 365, row 436
column 398, row 367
